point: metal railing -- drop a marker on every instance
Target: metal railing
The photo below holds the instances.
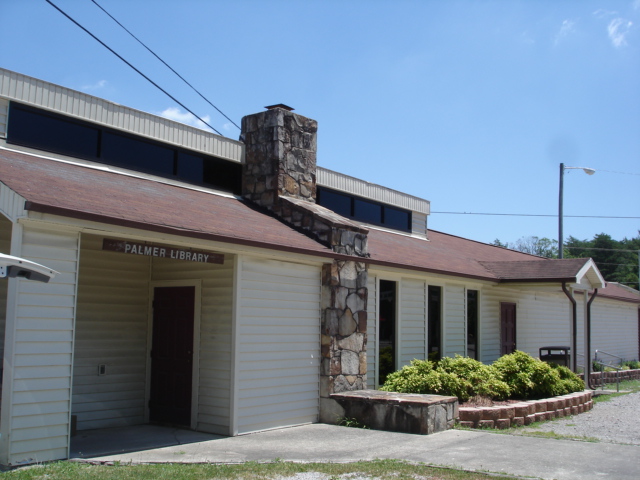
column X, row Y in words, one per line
column 604, row 365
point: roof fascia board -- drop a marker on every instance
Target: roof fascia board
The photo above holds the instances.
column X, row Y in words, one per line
column 413, row 268
column 590, row 270
column 439, row 278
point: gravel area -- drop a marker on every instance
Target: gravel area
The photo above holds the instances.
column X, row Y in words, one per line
column 612, row 421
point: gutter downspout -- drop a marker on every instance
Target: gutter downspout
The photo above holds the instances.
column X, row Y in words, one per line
column 574, row 328
column 587, row 353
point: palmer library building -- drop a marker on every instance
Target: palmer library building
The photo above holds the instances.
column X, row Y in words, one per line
column 232, row 286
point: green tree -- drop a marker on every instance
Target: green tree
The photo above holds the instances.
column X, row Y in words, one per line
column 542, row 247
column 617, row 260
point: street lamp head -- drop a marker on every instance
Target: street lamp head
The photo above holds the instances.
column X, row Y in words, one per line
column 587, row 170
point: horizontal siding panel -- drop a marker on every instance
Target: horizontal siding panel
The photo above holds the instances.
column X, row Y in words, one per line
column 36, row 447
column 112, row 323
column 41, row 432
column 40, row 420
column 43, row 360
column 279, row 311
column 42, row 408
column 372, row 337
column 412, row 320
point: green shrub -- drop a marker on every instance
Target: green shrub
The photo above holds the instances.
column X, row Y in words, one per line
column 480, row 379
column 418, row 377
column 632, row 364
column 529, row 377
column 570, row 380
column 517, row 375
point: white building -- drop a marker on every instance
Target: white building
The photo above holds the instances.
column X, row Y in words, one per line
column 197, row 287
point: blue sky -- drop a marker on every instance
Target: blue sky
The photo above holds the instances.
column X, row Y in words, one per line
column 471, row 105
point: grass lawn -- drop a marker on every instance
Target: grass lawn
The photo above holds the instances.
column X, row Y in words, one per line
column 379, row 469
column 628, row 386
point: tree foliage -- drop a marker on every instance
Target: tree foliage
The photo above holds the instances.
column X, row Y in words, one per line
column 615, row 264
column 542, row 247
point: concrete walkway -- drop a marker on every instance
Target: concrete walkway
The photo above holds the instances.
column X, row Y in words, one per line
column 469, row 450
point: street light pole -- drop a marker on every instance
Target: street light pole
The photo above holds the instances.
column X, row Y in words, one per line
column 588, row 171
column 560, row 212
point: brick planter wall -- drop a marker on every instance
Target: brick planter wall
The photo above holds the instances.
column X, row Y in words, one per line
column 610, row 377
column 525, row 412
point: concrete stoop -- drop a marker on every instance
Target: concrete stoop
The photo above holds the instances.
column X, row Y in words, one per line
column 526, row 412
column 399, row 412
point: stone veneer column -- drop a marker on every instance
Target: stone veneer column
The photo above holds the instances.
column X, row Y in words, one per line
column 280, row 175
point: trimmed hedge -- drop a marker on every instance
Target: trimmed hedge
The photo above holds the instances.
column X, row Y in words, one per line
column 517, row 375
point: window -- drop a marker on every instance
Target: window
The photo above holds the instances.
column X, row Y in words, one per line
column 130, row 152
column 334, row 201
column 52, row 132
column 472, row 324
column 367, row 211
column 387, row 327
column 364, row 210
column 434, row 324
column 33, row 128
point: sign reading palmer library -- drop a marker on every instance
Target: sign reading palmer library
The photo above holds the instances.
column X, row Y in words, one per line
column 162, row 251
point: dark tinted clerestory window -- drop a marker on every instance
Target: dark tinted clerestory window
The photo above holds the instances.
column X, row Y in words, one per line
column 363, row 210
column 52, row 132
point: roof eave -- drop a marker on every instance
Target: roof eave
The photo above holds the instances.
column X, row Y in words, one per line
column 64, row 212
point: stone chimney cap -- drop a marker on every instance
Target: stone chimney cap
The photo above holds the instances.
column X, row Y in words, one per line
column 280, row 105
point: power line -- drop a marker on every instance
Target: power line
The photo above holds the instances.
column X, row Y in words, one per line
column 605, row 249
column 165, row 63
column 621, row 173
column 534, row 215
column 134, row 68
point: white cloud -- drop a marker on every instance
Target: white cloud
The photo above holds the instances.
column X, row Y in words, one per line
column 618, row 29
column 173, row 113
column 567, row 28
column 96, row 86
column 227, row 127
column 602, row 13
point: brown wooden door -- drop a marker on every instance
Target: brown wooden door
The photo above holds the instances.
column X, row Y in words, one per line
column 172, row 355
column 507, row 328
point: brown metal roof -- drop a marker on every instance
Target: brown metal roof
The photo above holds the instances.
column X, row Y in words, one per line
column 620, row 292
column 566, row 269
column 442, row 253
column 77, row 191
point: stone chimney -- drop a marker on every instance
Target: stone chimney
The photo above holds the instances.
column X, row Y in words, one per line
column 280, row 156
column 280, row 175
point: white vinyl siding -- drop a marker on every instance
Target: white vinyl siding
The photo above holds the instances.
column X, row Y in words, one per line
column 5, row 245
column 614, row 329
column 372, row 331
column 455, row 321
column 278, row 345
column 412, row 321
column 111, row 329
column 542, row 319
column 11, row 204
column 214, row 384
column 37, row 401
